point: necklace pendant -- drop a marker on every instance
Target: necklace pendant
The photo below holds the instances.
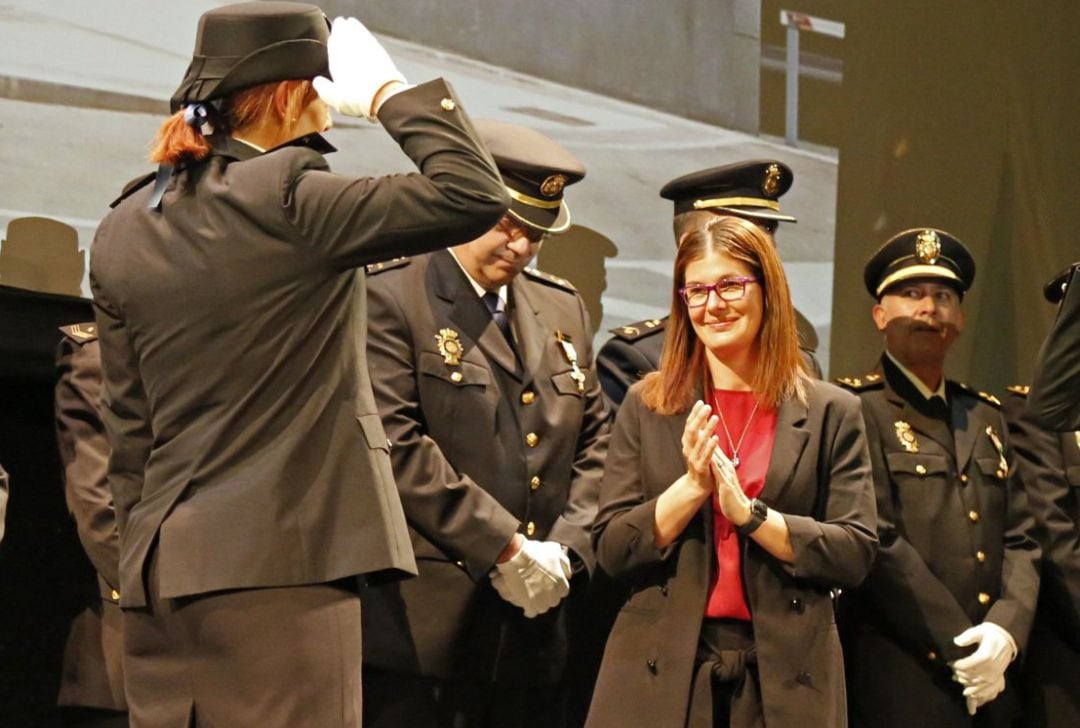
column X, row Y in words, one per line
column 735, row 461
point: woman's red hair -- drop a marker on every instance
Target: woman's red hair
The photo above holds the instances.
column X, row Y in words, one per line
column 176, row 142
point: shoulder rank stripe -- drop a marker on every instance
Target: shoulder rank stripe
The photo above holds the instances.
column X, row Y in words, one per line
column 858, row 384
column 373, row 268
column 549, row 278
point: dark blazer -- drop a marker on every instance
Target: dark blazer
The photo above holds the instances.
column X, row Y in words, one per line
column 482, row 447
column 1054, row 399
column 1049, row 466
column 819, row 478
column 635, row 350
column 93, row 675
column 956, row 549
column 246, row 441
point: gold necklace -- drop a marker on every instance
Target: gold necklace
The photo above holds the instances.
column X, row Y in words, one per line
column 731, row 443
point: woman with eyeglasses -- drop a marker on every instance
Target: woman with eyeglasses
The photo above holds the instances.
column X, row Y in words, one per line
column 736, row 501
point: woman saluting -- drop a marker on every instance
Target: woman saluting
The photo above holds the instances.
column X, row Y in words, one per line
column 249, row 469
column 736, row 497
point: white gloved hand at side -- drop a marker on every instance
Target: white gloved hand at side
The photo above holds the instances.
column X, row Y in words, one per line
column 359, row 66
column 982, row 673
column 536, row 578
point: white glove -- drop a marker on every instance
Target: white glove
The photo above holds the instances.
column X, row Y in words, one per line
column 996, row 649
column 978, row 696
column 536, row 578
column 360, row 67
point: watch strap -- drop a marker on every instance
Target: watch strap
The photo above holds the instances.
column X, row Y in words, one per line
column 758, row 513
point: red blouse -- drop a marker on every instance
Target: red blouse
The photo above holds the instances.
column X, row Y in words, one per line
column 726, row 596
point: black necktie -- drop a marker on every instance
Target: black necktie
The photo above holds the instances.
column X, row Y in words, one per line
column 492, row 301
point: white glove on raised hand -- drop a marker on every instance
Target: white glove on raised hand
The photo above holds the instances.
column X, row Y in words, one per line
column 536, row 578
column 360, row 67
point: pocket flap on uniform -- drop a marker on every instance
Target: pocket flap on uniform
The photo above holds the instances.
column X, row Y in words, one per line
column 565, row 383
column 461, row 374
column 1073, row 476
column 373, row 432
column 991, row 467
column 916, row 463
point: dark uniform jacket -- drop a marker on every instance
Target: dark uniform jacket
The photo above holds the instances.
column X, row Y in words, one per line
column 1055, row 401
column 956, row 549
column 93, row 675
column 635, row 350
column 1049, row 466
column 246, row 440
column 819, row 478
column 482, row 447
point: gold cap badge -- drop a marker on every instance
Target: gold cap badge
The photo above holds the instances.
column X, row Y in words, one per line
column 449, row 344
column 771, row 184
column 906, row 436
column 928, row 247
column 553, row 185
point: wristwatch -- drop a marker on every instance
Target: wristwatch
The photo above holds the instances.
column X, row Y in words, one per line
column 758, row 513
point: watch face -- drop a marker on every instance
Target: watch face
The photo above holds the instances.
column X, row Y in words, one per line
column 759, row 509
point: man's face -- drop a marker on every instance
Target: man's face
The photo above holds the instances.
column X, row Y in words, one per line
column 495, row 258
column 920, row 320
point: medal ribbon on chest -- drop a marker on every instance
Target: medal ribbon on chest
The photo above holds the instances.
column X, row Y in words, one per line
column 570, row 353
column 1003, row 464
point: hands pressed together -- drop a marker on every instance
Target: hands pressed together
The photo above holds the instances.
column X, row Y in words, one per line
column 982, row 673
column 536, row 578
column 709, row 468
column 361, row 69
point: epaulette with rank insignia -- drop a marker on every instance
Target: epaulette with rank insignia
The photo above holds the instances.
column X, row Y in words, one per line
column 984, row 396
column 373, row 268
column 81, row 333
column 640, row 329
column 1022, row 389
column 550, row 279
column 873, row 380
column 133, row 186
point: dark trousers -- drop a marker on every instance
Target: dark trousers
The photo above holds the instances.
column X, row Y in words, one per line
column 409, row 701
column 269, row 658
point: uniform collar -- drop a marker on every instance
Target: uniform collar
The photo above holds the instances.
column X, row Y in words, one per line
column 919, row 385
column 480, row 290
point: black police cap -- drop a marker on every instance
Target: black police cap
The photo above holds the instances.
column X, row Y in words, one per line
column 247, row 44
column 920, row 253
column 535, row 170
column 749, row 189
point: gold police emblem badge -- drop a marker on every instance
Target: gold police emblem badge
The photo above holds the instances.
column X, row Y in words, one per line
column 771, row 184
column 553, row 185
column 449, row 344
column 928, row 247
column 906, row 436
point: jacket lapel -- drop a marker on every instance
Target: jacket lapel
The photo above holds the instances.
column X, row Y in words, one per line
column 902, row 394
column 788, row 445
column 468, row 313
column 965, row 432
column 526, row 320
